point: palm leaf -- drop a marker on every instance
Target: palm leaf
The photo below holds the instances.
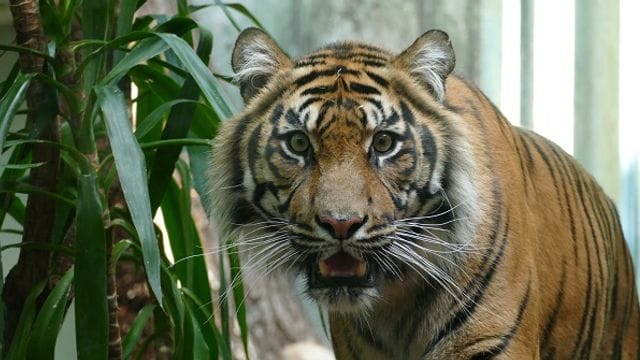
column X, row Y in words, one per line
column 132, row 173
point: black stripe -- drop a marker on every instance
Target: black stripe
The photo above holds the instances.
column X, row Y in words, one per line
column 506, row 338
column 392, row 119
column 466, row 312
column 344, row 53
column 292, row 118
column 243, row 212
column 429, row 149
column 422, row 301
column 375, row 103
column 260, row 190
column 504, row 124
column 323, row 112
column 364, row 119
column 285, row 206
column 254, row 142
column 602, row 244
column 313, row 75
column 417, row 103
column 370, row 63
column 599, row 296
column 564, row 174
column 525, row 146
column 320, row 90
column 407, row 115
column 525, row 174
column 378, row 79
column 586, row 309
column 308, row 102
column 630, row 287
column 271, row 151
column 276, row 114
column 324, row 126
column 305, row 63
column 548, row 328
column 363, row 89
column 237, row 176
column 547, row 162
column 587, row 349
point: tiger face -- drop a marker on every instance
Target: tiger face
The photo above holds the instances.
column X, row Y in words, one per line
column 335, row 175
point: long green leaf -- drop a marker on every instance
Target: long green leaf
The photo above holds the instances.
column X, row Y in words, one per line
column 185, row 241
column 10, row 103
column 224, row 300
column 144, row 51
column 239, row 297
column 243, row 10
column 79, row 159
column 26, row 188
column 51, row 21
column 152, row 120
column 91, row 278
column 96, row 24
column 235, row 6
column 10, row 79
column 132, row 173
column 177, row 126
column 199, row 164
column 124, row 22
column 201, row 74
column 174, row 308
column 16, row 209
column 203, row 313
column 22, row 335
column 135, row 332
column 228, row 15
column 22, row 49
column 49, row 321
column 154, row 90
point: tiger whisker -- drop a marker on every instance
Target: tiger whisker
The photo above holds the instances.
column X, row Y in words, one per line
column 265, row 274
column 439, row 276
column 453, row 247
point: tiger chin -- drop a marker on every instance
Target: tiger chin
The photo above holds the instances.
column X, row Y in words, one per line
column 427, row 225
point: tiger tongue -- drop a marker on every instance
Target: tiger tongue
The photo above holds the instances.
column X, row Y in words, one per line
column 342, row 265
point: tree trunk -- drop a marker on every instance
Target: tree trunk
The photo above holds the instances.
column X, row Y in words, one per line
column 33, row 265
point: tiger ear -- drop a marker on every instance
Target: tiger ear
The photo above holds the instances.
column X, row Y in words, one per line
column 429, row 59
column 256, row 58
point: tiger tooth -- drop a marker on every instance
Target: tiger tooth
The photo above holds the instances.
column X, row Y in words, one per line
column 324, row 269
column 361, row 269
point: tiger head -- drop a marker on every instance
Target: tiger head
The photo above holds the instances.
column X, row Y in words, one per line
column 346, row 167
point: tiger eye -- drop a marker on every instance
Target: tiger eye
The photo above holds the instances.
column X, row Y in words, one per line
column 383, row 142
column 299, row 142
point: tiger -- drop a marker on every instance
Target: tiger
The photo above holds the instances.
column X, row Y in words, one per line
column 412, row 212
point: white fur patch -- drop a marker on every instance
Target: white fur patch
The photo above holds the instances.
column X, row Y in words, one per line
column 256, row 59
column 432, row 64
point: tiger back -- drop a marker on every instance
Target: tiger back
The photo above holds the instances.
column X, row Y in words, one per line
column 427, row 225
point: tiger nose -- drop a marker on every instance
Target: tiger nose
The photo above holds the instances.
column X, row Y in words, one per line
column 341, row 228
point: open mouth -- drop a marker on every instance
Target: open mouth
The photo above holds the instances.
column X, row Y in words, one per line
column 340, row 269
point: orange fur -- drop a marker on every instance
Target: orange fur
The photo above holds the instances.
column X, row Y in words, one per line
column 518, row 252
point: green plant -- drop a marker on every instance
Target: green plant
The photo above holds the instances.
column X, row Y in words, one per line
column 93, row 184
